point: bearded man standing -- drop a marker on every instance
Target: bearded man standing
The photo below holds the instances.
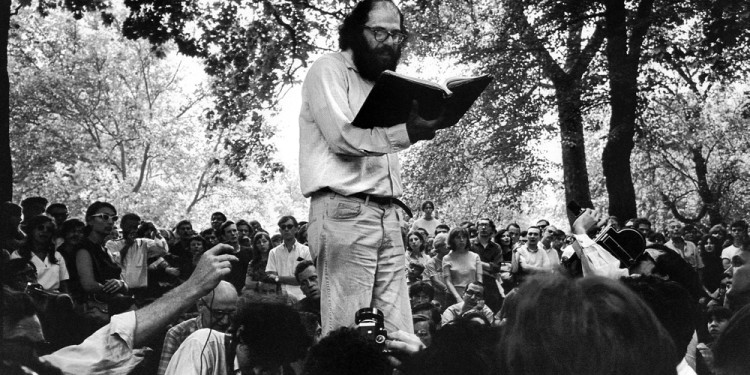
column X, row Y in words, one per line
column 353, row 175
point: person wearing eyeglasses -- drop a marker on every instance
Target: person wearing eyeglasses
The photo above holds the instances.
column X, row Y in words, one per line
column 352, row 175
column 215, row 311
column 283, row 259
column 473, row 300
column 39, row 249
column 99, row 276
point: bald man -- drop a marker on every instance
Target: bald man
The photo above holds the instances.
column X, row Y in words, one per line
column 214, row 311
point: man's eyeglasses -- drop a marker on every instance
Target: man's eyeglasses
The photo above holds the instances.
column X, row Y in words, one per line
column 382, row 34
column 286, row 226
column 107, row 217
column 474, row 293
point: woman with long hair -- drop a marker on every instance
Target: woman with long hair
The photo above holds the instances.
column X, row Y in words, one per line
column 39, row 248
column 460, row 266
column 416, row 249
column 713, row 270
column 256, row 269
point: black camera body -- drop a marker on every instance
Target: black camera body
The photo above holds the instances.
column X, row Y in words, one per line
column 371, row 324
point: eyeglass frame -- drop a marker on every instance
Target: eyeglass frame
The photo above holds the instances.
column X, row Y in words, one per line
column 393, row 34
column 106, row 217
column 217, row 314
column 287, row 226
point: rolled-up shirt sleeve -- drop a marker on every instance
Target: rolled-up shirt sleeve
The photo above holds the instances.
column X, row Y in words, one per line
column 333, row 104
column 108, row 351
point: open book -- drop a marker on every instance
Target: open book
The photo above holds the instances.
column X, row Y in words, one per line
column 390, row 101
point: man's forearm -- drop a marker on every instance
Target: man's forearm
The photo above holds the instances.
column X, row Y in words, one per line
column 154, row 317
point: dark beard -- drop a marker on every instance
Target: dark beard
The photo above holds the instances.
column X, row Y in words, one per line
column 371, row 62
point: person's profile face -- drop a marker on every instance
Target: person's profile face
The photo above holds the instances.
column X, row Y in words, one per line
column 99, row 224
column 716, row 325
column 414, row 242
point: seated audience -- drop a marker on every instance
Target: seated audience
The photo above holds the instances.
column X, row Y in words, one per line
column 116, row 348
column 268, row 336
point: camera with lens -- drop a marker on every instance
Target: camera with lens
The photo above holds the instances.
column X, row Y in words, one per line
column 371, row 324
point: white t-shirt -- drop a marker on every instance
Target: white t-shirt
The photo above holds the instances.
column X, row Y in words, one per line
column 428, row 225
column 283, row 262
column 48, row 274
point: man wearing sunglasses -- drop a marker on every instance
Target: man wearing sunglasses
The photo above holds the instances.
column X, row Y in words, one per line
column 353, row 175
column 283, row 259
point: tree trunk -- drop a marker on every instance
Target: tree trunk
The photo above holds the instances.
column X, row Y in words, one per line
column 570, row 120
column 622, row 61
column 6, row 163
column 710, row 199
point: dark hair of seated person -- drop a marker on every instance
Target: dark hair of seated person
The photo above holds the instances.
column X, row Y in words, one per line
column 271, row 330
column 732, row 348
column 429, row 310
column 583, row 326
column 346, row 351
column 671, row 264
column 422, row 286
column 463, row 347
column 672, row 305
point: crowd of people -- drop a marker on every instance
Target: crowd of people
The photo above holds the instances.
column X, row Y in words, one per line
column 362, row 288
column 495, row 290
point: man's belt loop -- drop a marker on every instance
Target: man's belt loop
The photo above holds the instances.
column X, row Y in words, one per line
column 367, row 199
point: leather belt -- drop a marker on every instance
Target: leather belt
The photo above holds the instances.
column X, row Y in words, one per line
column 384, row 201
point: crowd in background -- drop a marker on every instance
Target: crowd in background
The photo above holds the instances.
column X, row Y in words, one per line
column 482, row 295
